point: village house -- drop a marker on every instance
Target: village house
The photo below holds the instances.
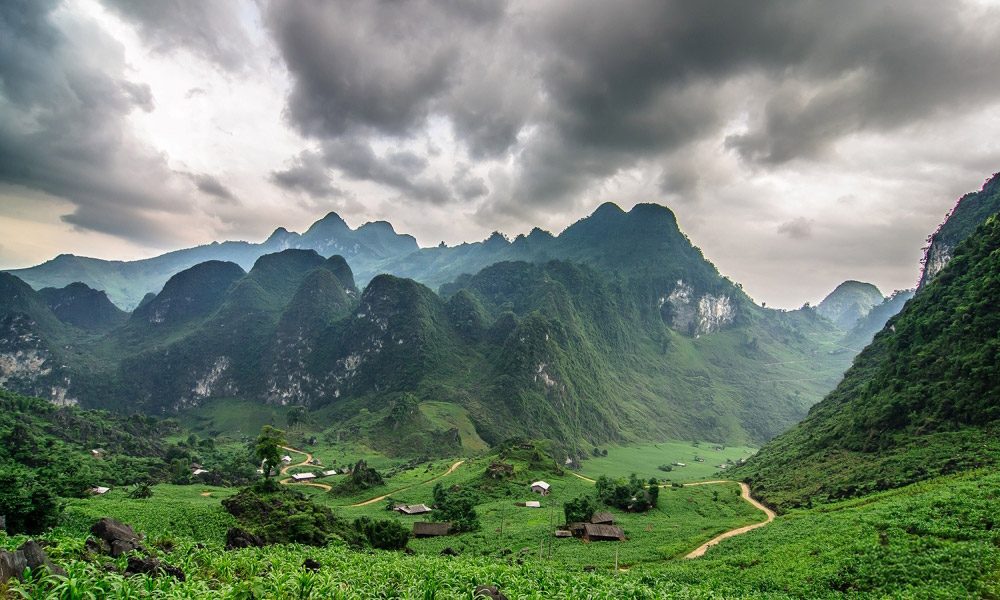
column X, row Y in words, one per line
column 98, row 452
column 602, row 533
column 602, row 517
column 412, row 509
column 533, row 504
column 540, row 487
column 423, row 529
column 99, row 490
column 303, row 476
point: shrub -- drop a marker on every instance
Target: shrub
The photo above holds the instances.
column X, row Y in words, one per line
column 382, row 533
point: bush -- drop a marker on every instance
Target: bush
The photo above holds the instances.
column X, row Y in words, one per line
column 579, row 510
column 457, row 506
column 383, row 534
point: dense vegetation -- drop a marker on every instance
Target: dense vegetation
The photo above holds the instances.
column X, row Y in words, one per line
column 281, row 515
column 47, row 451
column 921, row 400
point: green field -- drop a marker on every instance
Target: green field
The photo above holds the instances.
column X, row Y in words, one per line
column 644, row 461
column 936, row 539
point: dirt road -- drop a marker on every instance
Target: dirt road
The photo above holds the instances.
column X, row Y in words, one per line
column 746, row 496
column 383, row 497
column 289, row 481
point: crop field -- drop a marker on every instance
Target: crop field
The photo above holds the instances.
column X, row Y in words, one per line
column 935, row 539
column 644, row 461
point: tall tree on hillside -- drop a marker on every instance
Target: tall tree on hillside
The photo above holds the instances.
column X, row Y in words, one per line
column 268, row 448
column 296, row 415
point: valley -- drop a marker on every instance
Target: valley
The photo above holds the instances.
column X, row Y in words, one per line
column 624, row 426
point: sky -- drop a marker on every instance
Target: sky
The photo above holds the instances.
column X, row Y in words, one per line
column 800, row 143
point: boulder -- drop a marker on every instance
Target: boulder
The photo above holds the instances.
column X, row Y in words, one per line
column 119, row 537
column 12, row 565
column 448, row 552
column 36, row 558
column 92, row 546
column 488, row 591
column 237, row 538
column 152, row 567
column 311, row 565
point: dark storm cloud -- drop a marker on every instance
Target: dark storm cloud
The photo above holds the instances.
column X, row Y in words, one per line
column 209, row 29
column 603, row 86
column 307, row 173
column 208, row 184
column 403, row 171
column 62, row 125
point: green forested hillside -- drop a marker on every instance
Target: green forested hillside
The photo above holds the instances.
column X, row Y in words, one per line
column 922, row 399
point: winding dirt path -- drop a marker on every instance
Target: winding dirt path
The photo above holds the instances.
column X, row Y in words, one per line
column 288, row 480
column 383, row 497
column 744, row 493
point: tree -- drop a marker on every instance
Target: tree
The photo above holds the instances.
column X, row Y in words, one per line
column 654, row 492
column 268, row 448
column 296, row 415
column 579, row 509
column 457, row 506
column 30, row 508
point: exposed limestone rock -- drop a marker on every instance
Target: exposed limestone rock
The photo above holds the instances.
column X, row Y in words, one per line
column 35, row 558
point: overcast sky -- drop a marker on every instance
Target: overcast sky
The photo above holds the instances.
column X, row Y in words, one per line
column 799, row 143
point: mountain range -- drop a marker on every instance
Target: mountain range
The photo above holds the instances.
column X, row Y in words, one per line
column 590, row 341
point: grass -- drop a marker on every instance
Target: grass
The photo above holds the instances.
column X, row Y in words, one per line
column 645, row 459
column 448, row 415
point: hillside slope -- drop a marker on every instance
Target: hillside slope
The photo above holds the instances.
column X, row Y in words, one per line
column 922, row 399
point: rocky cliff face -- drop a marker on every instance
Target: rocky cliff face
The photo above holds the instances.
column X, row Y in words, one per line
column 695, row 314
column 938, row 255
column 27, row 364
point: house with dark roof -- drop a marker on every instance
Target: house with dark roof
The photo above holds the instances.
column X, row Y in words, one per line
column 602, row 533
column 422, row 529
column 412, row 509
column 602, row 517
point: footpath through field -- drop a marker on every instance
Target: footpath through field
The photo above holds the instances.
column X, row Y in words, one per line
column 308, row 457
column 383, row 497
column 744, row 493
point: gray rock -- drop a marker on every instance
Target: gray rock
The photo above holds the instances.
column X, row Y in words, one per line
column 237, row 538
column 152, row 567
column 119, row 537
column 488, row 591
column 12, row 564
column 36, row 558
